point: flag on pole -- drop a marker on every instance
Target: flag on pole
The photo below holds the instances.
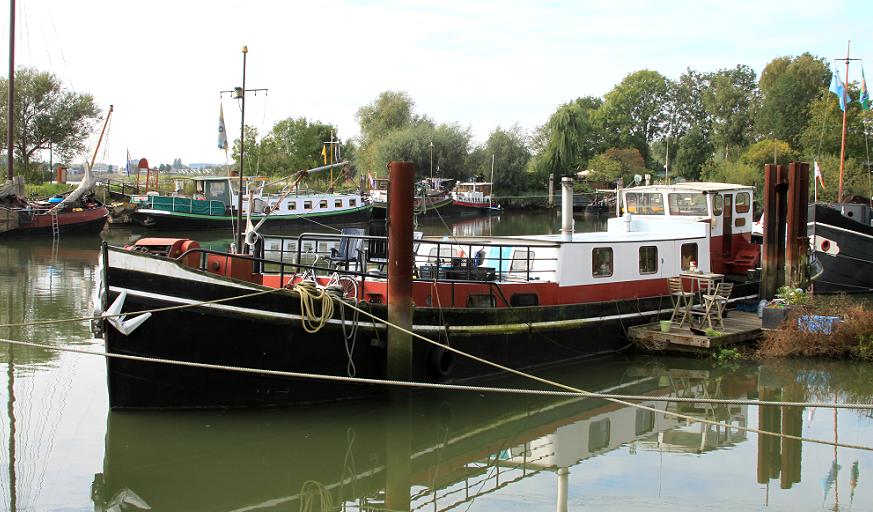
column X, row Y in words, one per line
column 839, row 89
column 865, row 96
column 127, row 164
column 222, row 133
column 324, row 153
column 818, row 175
column 336, row 151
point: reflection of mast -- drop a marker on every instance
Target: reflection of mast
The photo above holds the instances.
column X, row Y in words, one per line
column 10, row 410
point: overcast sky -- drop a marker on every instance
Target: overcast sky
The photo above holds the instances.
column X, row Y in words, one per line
column 481, row 64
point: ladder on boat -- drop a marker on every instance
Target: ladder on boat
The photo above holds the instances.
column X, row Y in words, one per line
column 56, row 229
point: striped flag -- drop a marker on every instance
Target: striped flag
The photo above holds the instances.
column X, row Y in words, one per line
column 222, row 133
column 818, row 175
column 865, row 96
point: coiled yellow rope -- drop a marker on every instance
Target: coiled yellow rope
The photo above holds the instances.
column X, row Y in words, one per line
column 310, row 294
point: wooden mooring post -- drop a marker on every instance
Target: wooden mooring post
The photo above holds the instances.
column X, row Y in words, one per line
column 786, row 197
column 400, row 206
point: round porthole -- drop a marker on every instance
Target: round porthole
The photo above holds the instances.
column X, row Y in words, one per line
column 825, row 246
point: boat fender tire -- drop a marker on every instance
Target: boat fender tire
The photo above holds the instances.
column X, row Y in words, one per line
column 440, row 362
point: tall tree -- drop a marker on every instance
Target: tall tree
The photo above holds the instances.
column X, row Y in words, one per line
column 511, row 156
column 788, row 85
column 47, row 116
column 574, row 136
column 298, row 144
column 731, row 101
column 390, row 111
column 635, row 111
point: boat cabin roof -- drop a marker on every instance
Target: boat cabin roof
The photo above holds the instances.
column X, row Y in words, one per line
column 691, row 186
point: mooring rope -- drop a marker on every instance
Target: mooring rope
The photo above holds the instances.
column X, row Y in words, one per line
column 361, row 380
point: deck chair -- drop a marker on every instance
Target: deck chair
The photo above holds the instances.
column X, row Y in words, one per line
column 349, row 250
column 680, row 298
column 714, row 303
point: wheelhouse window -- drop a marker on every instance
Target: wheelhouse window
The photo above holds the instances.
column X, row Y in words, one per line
column 744, row 202
column 688, row 204
column 522, row 260
column 601, row 260
column 717, row 204
column 648, row 259
column 688, row 254
column 644, row 203
column 337, row 203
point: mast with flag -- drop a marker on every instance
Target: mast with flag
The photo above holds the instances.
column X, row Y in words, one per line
column 841, row 90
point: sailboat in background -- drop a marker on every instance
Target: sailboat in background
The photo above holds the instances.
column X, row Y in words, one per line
column 75, row 211
column 841, row 233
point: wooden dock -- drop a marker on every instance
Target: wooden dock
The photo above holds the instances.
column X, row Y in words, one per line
column 739, row 327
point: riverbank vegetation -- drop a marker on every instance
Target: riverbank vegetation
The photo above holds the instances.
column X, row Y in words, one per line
column 806, row 333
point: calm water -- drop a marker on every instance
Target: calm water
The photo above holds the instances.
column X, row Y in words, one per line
column 61, row 448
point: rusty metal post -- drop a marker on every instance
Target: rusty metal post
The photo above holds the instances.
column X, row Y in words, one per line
column 795, row 246
column 781, row 222
column 769, row 258
column 400, row 207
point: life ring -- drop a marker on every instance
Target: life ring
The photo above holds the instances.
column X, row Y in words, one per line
column 440, row 362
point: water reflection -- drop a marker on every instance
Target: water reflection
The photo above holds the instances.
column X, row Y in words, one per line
column 436, row 452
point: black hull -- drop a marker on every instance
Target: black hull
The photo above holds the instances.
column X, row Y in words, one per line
column 844, row 248
column 264, row 332
column 274, row 224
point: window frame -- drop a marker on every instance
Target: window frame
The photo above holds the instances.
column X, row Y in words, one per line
column 595, row 262
column 640, row 259
column 746, row 202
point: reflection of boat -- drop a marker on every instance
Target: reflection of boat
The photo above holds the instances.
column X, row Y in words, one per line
column 212, row 207
column 525, row 302
column 420, row 456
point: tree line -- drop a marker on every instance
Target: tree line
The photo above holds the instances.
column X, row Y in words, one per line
column 721, row 125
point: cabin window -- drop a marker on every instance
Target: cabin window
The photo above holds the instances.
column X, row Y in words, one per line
column 689, row 254
column 522, row 260
column 291, row 205
column 648, row 259
column 598, row 435
column 216, row 190
column 601, row 260
column 524, row 299
column 481, row 301
column 322, row 203
column 645, row 422
column 307, row 205
column 717, row 205
column 690, row 204
column 441, row 254
column 353, row 202
column 337, row 203
column 644, row 203
column 744, row 202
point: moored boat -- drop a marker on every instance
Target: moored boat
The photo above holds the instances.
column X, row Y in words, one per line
column 474, row 197
column 524, row 302
column 212, row 207
column 842, row 237
column 432, row 195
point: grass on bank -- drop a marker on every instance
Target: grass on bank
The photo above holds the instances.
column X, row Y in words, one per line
column 852, row 337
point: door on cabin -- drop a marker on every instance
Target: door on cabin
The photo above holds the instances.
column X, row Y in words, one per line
column 728, row 224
